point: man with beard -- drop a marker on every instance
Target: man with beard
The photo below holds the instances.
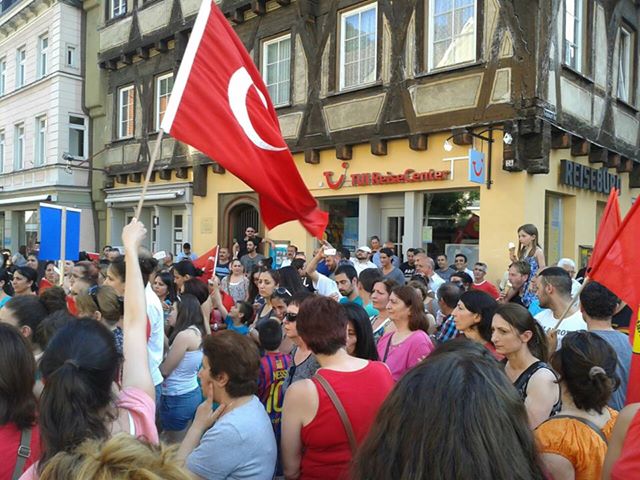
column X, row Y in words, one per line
column 362, row 262
column 251, row 258
column 347, row 281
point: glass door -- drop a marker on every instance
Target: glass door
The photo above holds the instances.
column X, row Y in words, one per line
column 393, row 228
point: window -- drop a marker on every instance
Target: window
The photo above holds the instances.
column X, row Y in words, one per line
column 3, row 76
column 21, row 65
column 358, row 46
column 126, row 106
column 18, row 147
column 1, row 151
column 164, row 84
column 70, row 58
column 276, row 69
column 575, row 21
column 43, row 47
column 452, row 32
column 77, row 136
column 118, row 8
column 41, row 141
column 625, row 64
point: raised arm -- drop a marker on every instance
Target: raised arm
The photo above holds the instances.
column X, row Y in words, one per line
column 312, row 264
column 136, row 363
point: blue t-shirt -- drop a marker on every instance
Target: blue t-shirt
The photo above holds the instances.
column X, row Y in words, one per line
column 242, row 329
column 358, row 301
column 4, row 300
column 241, row 445
column 620, row 343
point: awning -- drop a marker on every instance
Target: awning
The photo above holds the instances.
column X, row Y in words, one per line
column 26, row 199
column 134, row 197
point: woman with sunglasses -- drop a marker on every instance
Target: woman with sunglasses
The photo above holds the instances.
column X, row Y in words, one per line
column 303, row 361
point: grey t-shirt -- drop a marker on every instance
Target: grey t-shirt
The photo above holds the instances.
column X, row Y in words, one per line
column 396, row 275
column 241, row 445
column 248, row 263
column 620, row 343
column 304, row 371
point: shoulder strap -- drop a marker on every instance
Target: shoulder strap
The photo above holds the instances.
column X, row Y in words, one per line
column 24, row 452
column 586, row 422
column 386, row 350
column 340, row 409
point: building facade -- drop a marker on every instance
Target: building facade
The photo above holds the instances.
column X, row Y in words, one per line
column 42, row 122
column 381, row 103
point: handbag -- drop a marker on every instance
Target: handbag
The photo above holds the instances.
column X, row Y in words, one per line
column 340, row 409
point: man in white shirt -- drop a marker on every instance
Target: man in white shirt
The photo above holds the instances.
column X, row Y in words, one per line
column 322, row 284
column 425, row 266
column 292, row 251
column 460, row 263
column 554, row 293
column 362, row 262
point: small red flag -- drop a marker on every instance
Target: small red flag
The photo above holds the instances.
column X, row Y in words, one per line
column 609, row 224
column 207, row 263
column 633, row 386
column 220, row 105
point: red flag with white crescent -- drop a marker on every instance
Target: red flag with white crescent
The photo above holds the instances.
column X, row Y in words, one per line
column 220, row 106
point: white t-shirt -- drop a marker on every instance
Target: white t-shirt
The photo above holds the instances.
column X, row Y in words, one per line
column 325, row 286
column 155, row 344
column 360, row 266
column 572, row 323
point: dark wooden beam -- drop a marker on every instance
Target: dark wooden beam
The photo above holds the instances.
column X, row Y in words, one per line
column 237, row 16
column 626, row 165
column 560, row 139
column 165, row 174
column 634, row 176
column 162, row 45
column 126, row 58
column 259, row 7
column 122, row 178
column 109, row 65
column 462, row 138
column 613, row 159
column 344, row 152
column 152, row 178
column 378, row 146
column 135, row 177
column 419, row 141
column 217, row 168
column 597, row 154
column 109, row 183
column 579, row 146
column 312, row 156
column 283, row 3
column 143, row 52
column 200, row 180
column 182, row 172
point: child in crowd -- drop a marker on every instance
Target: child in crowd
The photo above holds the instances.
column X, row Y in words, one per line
column 274, row 368
column 240, row 317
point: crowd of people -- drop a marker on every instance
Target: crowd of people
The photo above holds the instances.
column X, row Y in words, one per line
column 361, row 365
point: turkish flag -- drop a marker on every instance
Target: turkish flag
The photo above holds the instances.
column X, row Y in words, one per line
column 607, row 230
column 207, row 263
column 220, row 106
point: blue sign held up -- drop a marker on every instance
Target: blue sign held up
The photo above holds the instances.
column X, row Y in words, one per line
column 477, row 166
column 52, row 218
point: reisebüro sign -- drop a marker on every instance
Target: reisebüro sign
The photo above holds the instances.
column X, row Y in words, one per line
column 597, row 180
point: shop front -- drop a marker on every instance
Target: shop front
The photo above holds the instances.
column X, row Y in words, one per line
column 429, row 199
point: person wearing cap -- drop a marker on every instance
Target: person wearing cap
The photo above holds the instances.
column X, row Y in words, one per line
column 362, row 262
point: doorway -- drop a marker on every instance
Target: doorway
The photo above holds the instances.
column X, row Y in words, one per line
column 393, row 228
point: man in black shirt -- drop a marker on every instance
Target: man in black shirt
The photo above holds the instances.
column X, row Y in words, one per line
column 240, row 247
column 408, row 268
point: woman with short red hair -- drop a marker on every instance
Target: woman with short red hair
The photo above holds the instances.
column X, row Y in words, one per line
column 325, row 418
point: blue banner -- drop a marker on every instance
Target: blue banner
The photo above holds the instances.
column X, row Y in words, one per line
column 51, row 233
column 477, row 166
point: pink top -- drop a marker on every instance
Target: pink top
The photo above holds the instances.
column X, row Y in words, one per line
column 142, row 420
column 400, row 358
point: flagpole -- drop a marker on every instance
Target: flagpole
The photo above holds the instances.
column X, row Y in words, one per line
column 154, row 157
column 574, row 300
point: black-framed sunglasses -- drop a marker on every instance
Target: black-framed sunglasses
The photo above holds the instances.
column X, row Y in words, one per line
column 291, row 317
column 283, row 292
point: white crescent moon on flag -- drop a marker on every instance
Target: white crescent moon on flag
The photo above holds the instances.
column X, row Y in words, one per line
column 239, row 85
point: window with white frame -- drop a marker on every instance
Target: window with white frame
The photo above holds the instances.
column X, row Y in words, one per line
column 3, row 75
column 126, row 107
column 276, row 68
column 118, row 8
column 452, row 32
column 77, row 136
column 2, row 151
column 43, row 49
column 358, row 46
column 625, row 64
column 41, row 141
column 18, row 147
column 574, row 36
column 164, row 84
column 70, row 57
column 21, row 66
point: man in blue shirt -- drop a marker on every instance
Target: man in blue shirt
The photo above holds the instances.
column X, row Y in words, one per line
column 346, row 278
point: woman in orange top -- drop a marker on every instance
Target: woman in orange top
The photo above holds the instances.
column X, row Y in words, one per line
column 574, row 442
column 623, row 456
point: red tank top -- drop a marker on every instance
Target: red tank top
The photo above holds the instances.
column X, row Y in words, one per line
column 326, row 447
column 628, row 464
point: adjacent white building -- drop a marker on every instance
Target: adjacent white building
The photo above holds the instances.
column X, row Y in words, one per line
column 42, row 123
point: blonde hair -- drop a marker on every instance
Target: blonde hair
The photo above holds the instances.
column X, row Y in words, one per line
column 121, row 457
column 108, row 304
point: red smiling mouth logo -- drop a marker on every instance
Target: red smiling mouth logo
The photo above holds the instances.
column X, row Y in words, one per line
column 328, row 176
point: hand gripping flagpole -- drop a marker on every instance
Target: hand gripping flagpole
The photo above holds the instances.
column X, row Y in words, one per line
column 154, row 157
column 574, row 300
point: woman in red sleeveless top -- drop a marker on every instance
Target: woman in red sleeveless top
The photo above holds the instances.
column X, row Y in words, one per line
column 315, row 442
column 623, row 456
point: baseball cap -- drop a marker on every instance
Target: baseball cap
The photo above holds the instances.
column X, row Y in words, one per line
column 365, row 249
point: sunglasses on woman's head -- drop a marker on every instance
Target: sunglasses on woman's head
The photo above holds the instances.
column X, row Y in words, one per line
column 291, row 317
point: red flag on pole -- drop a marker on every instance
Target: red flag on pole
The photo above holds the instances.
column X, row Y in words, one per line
column 609, row 224
column 633, row 386
column 207, row 263
column 220, row 105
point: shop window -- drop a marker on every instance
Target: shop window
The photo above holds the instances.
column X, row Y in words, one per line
column 452, row 27
column 126, row 107
column 342, row 230
column 177, row 233
column 276, row 69
column 358, row 46
column 626, row 42
column 31, row 224
column 164, row 84
column 553, row 234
